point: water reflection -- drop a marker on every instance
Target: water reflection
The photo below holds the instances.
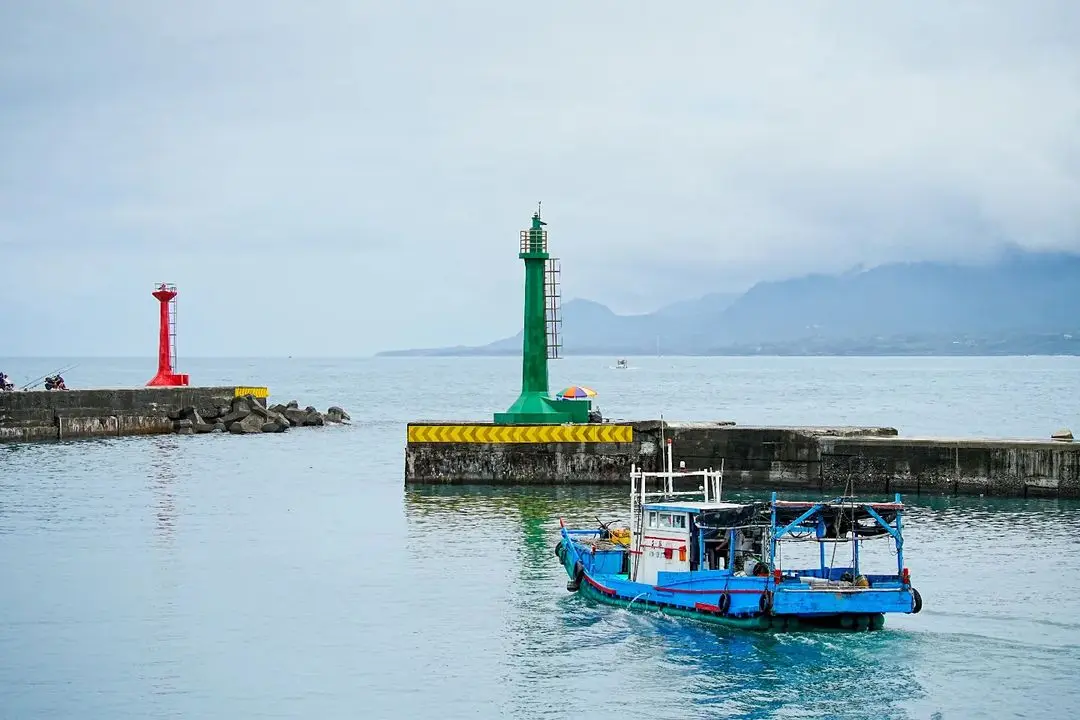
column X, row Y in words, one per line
column 164, row 449
column 164, row 676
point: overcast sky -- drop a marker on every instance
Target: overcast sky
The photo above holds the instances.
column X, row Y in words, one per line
column 339, row 177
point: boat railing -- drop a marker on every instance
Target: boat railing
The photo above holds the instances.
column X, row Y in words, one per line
column 812, row 519
column 710, row 490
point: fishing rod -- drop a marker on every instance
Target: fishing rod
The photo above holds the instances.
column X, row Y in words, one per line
column 35, row 383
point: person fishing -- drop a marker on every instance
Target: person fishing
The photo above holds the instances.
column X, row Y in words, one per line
column 5, row 383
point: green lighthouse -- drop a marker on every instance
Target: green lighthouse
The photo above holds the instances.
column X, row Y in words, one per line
column 540, row 340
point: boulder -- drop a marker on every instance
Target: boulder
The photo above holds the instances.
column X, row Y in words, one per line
column 1062, row 434
column 248, row 415
column 233, row 417
column 240, row 409
column 301, row 418
column 335, row 414
column 190, row 413
column 259, row 410
column 252, row 423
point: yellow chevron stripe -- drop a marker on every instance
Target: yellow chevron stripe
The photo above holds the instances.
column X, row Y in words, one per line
column 503, row 434
column 259, row 392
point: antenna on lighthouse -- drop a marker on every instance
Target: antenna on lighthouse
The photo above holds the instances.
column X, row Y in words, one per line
column 165, row 293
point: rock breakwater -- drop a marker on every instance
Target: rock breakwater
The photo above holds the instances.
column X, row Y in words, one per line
column 246, row 415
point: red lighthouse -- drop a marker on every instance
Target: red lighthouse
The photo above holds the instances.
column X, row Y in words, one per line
column 166, row 295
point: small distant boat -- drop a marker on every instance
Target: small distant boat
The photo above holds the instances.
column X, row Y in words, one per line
column 620, row 364
column 721, row 562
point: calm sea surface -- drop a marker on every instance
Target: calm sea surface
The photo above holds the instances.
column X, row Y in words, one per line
column 293, row 575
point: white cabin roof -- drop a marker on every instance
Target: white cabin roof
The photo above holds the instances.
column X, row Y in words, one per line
column 690, row 507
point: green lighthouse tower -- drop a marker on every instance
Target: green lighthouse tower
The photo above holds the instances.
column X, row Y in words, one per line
column 540, row 340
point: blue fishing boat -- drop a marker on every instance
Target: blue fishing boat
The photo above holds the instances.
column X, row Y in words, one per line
column 722, row 562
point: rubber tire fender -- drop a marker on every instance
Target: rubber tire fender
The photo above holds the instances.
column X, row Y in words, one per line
column 765, row 603
column 724, row 603
column 558, row 550
column 916, row 601
column 579, row 571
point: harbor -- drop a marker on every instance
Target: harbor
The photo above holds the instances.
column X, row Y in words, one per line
column 168, row 403
column 562, row 439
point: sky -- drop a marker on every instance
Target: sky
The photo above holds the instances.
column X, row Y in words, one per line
column 337, row 177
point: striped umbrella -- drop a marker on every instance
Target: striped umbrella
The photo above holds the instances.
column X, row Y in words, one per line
column 576, row 391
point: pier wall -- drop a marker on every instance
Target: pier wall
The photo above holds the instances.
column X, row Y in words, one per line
column 37, row 415
column 872, row 459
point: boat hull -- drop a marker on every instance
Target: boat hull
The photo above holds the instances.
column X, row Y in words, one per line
column 784, row 611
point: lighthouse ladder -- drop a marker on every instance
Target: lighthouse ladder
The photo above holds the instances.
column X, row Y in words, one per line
column 553, row 307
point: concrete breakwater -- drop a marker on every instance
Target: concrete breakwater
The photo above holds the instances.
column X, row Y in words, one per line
column 873, row 460
column 247, row 414
column 30, row 416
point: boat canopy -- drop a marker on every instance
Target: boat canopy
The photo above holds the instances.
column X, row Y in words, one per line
column 839, row 517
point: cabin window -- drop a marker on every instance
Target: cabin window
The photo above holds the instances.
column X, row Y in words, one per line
column 667, row 521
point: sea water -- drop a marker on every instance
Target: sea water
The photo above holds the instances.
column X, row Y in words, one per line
column 293, row 575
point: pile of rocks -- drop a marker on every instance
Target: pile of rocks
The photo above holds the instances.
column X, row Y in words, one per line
column 247, row 415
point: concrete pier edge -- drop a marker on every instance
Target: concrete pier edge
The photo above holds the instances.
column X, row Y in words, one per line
column 41, row 415
column 875, row 460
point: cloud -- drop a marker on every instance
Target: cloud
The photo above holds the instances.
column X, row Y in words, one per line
column 377, row 160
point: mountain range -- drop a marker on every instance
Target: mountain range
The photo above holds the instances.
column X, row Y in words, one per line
column 1022, row 303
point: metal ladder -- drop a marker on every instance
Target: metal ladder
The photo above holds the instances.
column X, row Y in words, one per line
column 553, row 307
column 172, row 334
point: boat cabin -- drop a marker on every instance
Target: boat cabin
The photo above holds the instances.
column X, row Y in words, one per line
column 673, row 539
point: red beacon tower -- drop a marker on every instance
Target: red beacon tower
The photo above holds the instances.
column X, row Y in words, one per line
column 166, row 295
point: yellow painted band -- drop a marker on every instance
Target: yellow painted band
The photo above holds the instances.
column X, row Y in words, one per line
column 521, row 433
column 258, row 392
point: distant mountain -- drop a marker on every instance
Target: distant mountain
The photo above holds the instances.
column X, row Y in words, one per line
column 1025, row 303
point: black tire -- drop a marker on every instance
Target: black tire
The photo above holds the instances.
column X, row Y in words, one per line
column 574, row 582
column 724, row 603
column 765, row 603
column 559, row 550
column 916, row 601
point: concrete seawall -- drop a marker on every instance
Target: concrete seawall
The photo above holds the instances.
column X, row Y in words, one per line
column 875, row 459
column 62, row 414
